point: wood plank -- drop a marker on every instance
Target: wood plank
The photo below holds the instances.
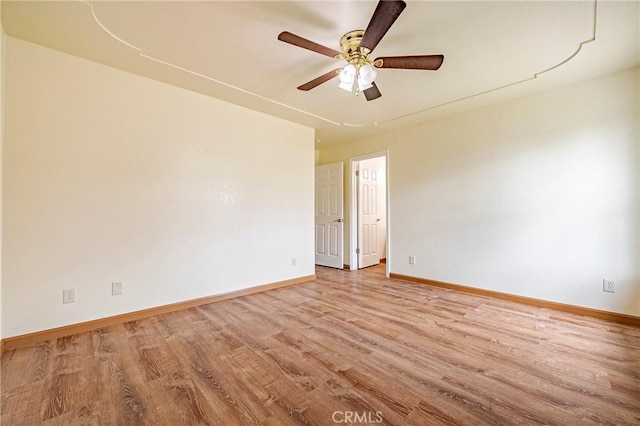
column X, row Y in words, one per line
column 54, row 333
column 578, row 310
column 348, row 342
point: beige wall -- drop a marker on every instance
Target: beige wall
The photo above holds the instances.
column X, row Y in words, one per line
column 537, row 197
column 109, row 177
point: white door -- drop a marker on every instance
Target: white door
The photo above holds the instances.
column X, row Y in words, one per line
column 368, row 217
column 329, row 219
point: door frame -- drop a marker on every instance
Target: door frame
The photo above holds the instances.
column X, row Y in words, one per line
column 353, row 209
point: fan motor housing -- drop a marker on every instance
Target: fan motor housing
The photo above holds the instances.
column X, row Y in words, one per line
column 350, row 42
column 350, row 45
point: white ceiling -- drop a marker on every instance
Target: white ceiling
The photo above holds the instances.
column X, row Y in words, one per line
column 229, row 50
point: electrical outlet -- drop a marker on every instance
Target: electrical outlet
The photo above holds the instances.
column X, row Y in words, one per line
column 68, row 295
column 609, row 286
column 294, row 261
column 412, row 260
column 116, row 288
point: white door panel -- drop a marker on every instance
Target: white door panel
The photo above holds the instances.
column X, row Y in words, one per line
column 368, row 217
column 329, row 210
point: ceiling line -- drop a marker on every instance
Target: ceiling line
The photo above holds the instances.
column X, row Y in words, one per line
column 95, row 18
column 535, row 75
column 235, row 88
column 593, row 38
column 360, row 125
column 142, row 54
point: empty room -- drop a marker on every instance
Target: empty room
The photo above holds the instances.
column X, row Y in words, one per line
column 320, row 212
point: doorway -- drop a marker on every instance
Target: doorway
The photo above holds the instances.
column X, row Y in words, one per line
column 369, row 227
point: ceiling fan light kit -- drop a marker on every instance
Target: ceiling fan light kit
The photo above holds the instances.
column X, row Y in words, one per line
column 359, row 74
column 364, row 75
column 347, row 77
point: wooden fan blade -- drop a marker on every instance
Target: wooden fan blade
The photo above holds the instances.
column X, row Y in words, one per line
column 372, row 92
column 422, row 62
column 383, row 17
column 322, row 79
column 296, row 40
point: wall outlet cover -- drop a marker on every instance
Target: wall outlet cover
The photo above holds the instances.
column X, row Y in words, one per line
column 609, row 286
column 68, row 295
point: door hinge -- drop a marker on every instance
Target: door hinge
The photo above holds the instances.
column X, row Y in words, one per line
column 357, row 172
column 357, row 251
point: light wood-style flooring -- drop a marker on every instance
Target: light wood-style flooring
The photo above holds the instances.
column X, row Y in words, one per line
column 349, row 346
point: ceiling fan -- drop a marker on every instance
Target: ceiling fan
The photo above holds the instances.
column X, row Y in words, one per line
column 357, row 45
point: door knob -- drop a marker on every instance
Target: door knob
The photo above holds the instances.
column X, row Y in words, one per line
column 338, row 220
column 378, row 220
